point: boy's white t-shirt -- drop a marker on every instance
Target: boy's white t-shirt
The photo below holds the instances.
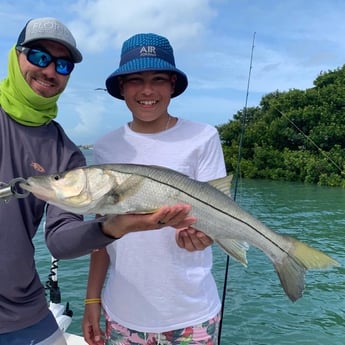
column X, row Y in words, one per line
column 153, row 285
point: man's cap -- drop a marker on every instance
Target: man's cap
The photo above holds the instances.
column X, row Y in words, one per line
column 49, row 29
column 146, row 52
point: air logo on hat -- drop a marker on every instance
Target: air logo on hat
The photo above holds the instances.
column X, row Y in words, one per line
column 148, row 51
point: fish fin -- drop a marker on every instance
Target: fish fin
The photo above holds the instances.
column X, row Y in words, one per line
column 222, row 184
column 292, row 267
column 148, row 211
column 130, row 185
column 234, row 248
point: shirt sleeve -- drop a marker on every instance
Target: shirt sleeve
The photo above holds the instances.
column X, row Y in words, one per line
column 69, row 236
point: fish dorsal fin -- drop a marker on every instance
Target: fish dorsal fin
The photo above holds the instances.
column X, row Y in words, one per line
column 222, row 184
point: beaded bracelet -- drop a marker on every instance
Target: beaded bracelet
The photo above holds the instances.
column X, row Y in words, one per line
column 92, row 300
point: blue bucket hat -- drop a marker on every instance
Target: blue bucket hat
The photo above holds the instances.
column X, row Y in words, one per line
column 146, row 52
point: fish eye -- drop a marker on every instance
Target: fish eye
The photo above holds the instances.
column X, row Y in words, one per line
column 57, row 177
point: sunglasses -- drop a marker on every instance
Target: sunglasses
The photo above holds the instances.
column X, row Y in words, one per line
column 43, row 59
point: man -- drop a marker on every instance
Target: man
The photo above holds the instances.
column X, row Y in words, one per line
column 32, row 143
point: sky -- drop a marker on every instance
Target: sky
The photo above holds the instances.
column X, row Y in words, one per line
column 233, row 51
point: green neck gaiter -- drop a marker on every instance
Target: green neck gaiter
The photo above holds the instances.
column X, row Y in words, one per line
column 20, row 102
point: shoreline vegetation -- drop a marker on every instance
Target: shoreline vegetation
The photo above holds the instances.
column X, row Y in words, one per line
column 297, row 135
column 86, row 147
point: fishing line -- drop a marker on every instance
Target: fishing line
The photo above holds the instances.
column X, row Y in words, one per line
column 237, row 177
column 311, row 141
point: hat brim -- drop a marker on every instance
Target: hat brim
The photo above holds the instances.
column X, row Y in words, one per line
column 143, row 65
column 75, row 53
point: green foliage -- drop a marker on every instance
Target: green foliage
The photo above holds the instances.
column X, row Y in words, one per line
column 298, row 135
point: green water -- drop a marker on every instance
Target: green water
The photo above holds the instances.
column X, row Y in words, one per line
column 257, row 312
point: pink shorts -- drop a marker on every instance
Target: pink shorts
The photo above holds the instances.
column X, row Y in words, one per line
column 204, row 334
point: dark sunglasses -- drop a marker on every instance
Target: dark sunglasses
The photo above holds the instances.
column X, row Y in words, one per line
column 43, row 59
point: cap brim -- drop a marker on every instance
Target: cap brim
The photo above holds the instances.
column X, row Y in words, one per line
column 75, row 53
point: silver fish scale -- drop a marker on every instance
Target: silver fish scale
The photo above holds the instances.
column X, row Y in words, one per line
column 215, row 211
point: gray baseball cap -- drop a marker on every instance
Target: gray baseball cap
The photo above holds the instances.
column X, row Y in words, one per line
column 49, row 29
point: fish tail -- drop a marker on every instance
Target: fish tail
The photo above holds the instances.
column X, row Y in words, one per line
column 291, row 269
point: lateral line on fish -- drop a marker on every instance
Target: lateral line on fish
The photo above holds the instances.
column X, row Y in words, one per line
column 216, row 208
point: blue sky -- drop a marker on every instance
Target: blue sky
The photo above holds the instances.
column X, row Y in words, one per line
column 294, row 41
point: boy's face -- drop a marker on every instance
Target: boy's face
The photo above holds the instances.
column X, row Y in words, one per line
column 148, row 94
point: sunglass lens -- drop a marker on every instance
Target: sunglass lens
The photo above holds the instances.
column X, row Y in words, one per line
column 64, row 66
column 39, row 58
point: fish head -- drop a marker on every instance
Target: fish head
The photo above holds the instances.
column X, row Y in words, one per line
column 77, row 190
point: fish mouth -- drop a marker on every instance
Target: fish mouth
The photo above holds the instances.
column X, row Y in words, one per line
column 40, row 193
column 25, row 185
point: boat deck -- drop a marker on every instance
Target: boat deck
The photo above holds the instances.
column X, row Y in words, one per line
column 74, row 339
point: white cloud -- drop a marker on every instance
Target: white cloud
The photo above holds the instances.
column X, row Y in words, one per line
column 106, row 23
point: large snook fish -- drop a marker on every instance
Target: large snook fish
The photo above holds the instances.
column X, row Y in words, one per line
column 129, row 188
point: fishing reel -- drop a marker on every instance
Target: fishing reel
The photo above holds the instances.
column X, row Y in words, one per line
column 12, row 189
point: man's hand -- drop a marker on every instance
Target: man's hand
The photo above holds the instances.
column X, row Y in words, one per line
column 192, row 239
column 176, row 216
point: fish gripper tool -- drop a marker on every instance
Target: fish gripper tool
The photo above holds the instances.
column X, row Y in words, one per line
column 8, row 190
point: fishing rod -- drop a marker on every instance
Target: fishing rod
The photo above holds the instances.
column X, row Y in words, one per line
column 237, row 177
column 63, row 314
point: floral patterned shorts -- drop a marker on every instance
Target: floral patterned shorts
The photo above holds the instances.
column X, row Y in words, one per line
column 204, row 334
